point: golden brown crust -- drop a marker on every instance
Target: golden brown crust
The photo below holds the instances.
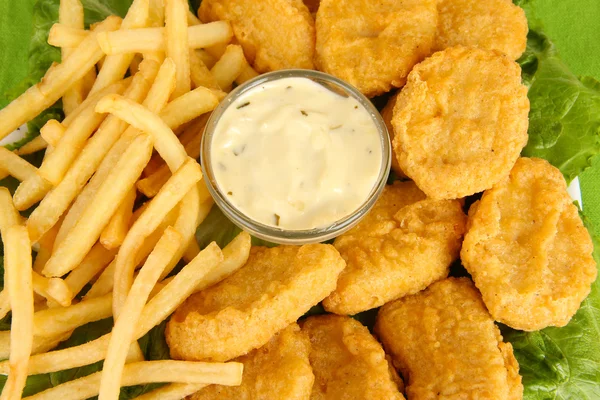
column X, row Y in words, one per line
column 446, row 345
column 405, row 243
column 275, row 288
column 387, row 114
column 527, row 249
column 278, row 370
column 347, row 361
column 491, row 24
column 461, row 122
column 374, row 44
column 275, row 34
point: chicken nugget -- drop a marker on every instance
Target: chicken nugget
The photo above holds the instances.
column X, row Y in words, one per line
column 446, row 345
column 386, row 114
column 275, row 34
column 276, row 287
column 490, row 24
column 461, row 122
column 348, row 362
column 405, row 243
column 371, row 44
column 527, row 249
column 278, row 370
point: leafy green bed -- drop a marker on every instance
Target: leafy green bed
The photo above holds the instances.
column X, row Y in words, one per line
column 556, row 363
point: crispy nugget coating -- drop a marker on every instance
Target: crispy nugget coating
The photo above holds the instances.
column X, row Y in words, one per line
column 387, row 114
column 275, row 34
column 405, row 243
column 278, row 370
column 348, row 363
column 374, row 44
column 275, row 288
column 490, row 24
column 445, row 343
column 527, row 249
column 461, row 122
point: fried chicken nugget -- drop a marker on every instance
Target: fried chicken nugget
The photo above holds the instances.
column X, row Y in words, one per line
column 275, row 34
column 527, row 249
column 445, row 343
column 387, row 114
column 278, row 370
column 461, row 122
column 490, row 24
column 405, row 243
column 374, row 44
column 348, row 362
column 276, row 287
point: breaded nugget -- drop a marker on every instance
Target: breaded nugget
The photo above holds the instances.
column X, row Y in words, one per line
column 275, row 34
column 374, row 44
column 386, row 114
column 278, row 370
column 446, row 345
column 527, row 249
column 348, row 362
column 405, row 243
column 461, row 122
column 490, row 24
column 276, row 287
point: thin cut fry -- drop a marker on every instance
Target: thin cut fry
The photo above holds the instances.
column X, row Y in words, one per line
column 208, row 59
column 177, row 48
column 192, row 19
column 200, row 73
column 93, row 263
column 125, row 325
column 40, row 344
column 115, row 67
column 134, row 67
column 52, row 131
column 229, row 66
column 114, row 233
column 45, row 246
column 54, row 84
column 15, row 165
column 85, row 233
column 64, row 36
column 18, row 283
column 192, row 251
column 56, row 202
column 247, row 73
column 174, row 391
column 37, row 144
column 144, row 372
column 189, row 106
column 70, row 13
column 54, row 289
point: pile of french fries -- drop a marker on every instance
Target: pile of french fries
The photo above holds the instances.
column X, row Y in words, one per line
column 123, row 140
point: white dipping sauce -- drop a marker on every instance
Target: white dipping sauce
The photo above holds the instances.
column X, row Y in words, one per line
column 292, row 154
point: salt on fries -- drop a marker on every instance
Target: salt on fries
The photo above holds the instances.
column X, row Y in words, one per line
column 88, row 228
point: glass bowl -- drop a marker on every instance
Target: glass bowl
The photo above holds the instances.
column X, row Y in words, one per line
column 286, row 236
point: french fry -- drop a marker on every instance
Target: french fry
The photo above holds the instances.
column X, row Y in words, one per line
column 114, row 233
column 88, row 81
column 229, row 374
column 177, row 45
column 93, row 264
column 190, row 278
column 134, row 67
column 52, row 131
column 85, row 233
column 30, row 192
column 247, row 73
column 208, row 59
column 36, row 144
column 114, row 67
column 54, row 84
column 16, row 166
column 65, row 36
column 229, row 66
column 45, row 246
column 169, row 196
column 146, row 40
column 58, row 200
column 54, row 289
column 18, row 283
column 192, row 19
column 200, row 73
column 173, row 391
column 70, row 13
column 125, row 325
column 189, row 106
column 192, row 251
column 39, row 345
column 8, row 218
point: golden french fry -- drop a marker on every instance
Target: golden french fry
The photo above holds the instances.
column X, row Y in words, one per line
column 157, row 13
column 151, row 185
column 208, row 59
column 229, row 66
column 189, row 106
column 18, row 283
column 125, row 325
column 64, row 36
column 70, row 13
column 147, row 40
column 173, row 391
column 144, row 372
column 85, row 233
column 54, row 84
column 58, row 200
column 93, row 264
column 52, row 131
column 114, row 67
column 135, row 64
column 169, row 196
column 45, row 246
column 9, row 216
column 88, row 81
column 15, row 165
column 177, row 45
column 200, row 73
column 114, row 233
column 54, row 289
column 189, row 279
column 31, row 191
column 36, row 144
column 104, row 283
column 247, row 73
column 192, row 19
column 191, row 252
column 39, row 345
